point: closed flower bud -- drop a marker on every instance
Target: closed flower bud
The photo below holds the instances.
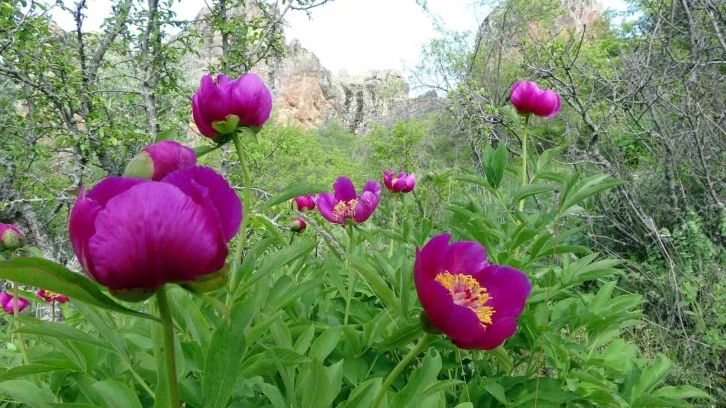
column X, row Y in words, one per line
column 528, row 98
column 402, row 183
column 160, row 159
column 304, row 203
column 220, row 106
column 7, row 303
column 298, row 225
column 11, row 238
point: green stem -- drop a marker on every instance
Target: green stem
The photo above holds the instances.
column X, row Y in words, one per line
column 393, row 225
column 351, row 283
column 168, row 327
column 396, row 371
column 16, row 313
column 524, row 158
column 246, row 204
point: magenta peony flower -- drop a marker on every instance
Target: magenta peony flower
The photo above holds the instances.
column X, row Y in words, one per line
column 6, row 300
column 304, row 203
column 346, row 204
column 472, row 302
column 219, row 107
column 528, row 98
column 133, row 234
column 49, row 296
column 402, row 183
column 160, row 159
column 11, row 238
column 298, row 225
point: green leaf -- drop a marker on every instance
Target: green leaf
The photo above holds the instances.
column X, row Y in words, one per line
column 296, row 190
column 374, row 279
column 419, row 380
column 401, row 337
column 169, row 134
column 56, row 278
column 496, row 165
column 325, row 344
column 436, row 388
column 62, row 331
column 274, row 395
column 497, row 391
column 682, row 392
column 27, row 393
column 277, row 260
column 528, row 191
column 27, row 369
column 652, row 375
column 225, row 355
column 185, row 308
column 203, row 150
column 117, row 394
column 315, row 387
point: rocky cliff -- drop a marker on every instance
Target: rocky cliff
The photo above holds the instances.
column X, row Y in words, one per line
column 305, row 93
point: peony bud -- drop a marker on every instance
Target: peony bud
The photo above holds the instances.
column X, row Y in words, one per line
column 11, row 238
column 160, row 159
column 304, row 203
column 528, row 98
column 298, row 225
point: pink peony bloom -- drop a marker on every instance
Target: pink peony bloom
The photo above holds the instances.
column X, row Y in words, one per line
column 133, row 234
column 298, row 225
column 247, row 98
column 402, row 183
column 528, row 98
column 473, row 303
column 6, row 300
column 346, row 204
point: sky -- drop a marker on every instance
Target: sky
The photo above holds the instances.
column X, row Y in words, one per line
column 351, row 35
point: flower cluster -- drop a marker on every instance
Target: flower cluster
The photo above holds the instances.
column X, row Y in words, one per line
column 168, row 220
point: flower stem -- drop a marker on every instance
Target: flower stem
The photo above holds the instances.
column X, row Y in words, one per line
column 393, row 225
column 16, row 313
column 524, row 158
column 351, row 282
column 168, row 326
column 246, row 204
column 396, row 371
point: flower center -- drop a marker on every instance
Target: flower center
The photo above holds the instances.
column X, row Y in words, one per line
column 344, row 209
column 466, row 291
column 50, row 295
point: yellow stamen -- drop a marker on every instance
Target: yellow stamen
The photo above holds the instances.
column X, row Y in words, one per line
column 344, row 209
column 466, row 291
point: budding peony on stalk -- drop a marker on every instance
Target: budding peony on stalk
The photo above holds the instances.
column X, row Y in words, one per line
column 402, row 183
column 304, row 203
column 298, row 225
column 11, row 238
column 160, row 159
column 528, row 98
column 220, row 106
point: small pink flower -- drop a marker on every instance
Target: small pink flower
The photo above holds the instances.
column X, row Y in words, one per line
column 131, row 234
column 473, row 303
column 528, row 98
column 49, row 296
column 304, row 203
column 346, row 205
column 402, row 183
column 247, row 98
column 6, row 300
column 11, row 237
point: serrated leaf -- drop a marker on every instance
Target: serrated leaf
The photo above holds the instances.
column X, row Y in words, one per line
column 56, row 278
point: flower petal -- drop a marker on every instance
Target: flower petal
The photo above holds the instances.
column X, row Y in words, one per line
column 493, row 337
column 153, row 234
column 508, row 288
column 344, row 189
column 250, row 100
column 110, row 187
column 466, row 257
column 223, row 197
column 168, row 156
column 204, row 126
column 373, row 186
column 326, row 205
column 367, row 203
column 431, row 256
